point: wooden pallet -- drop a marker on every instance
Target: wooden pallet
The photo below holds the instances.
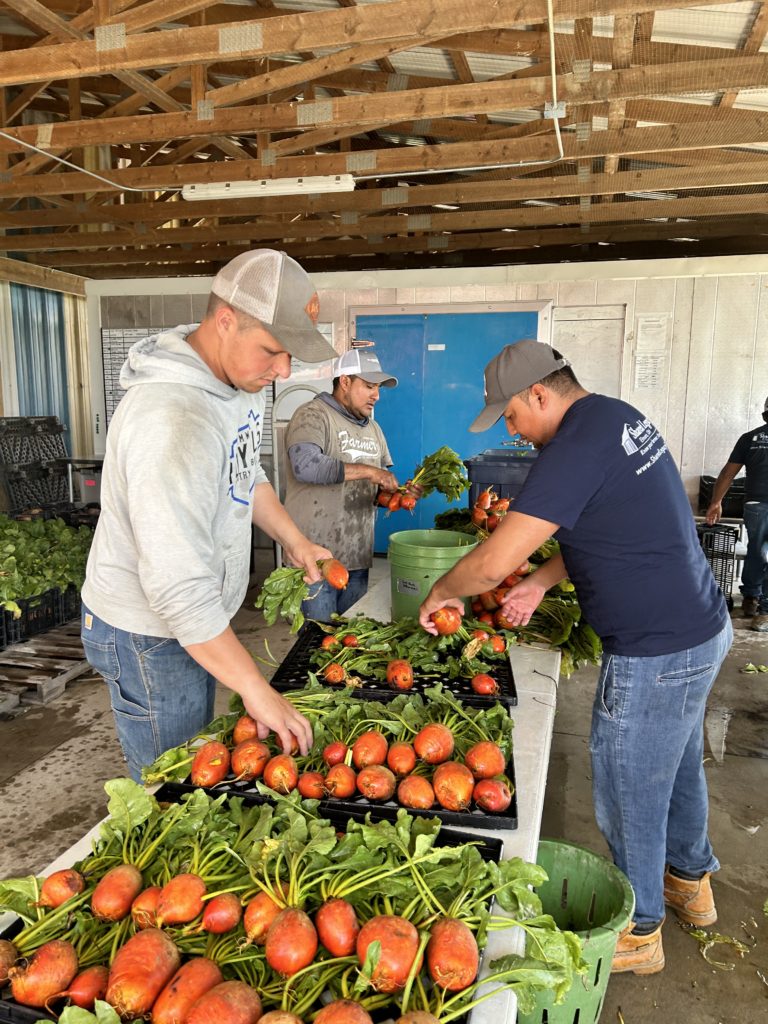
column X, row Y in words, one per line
column 37, row 671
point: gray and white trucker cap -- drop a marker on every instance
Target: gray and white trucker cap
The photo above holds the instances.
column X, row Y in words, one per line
column 363, row 363
column 271, row 287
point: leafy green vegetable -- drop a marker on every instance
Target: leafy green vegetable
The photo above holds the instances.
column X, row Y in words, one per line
column 38, row 555
column 457, row 519
column 281, row 594
column 18, row 894
column 103, row 1014
column 707, row 940
column 552, row 959
column 442, row 471
column 129, row 806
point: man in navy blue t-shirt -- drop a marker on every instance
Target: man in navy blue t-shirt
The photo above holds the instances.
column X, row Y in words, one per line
column 750, row 452
column 605, row 485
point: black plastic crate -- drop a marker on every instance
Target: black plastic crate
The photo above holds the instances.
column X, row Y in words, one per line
column 12, row 1012
column 292, row 675
column 66, row 604
column 498, row 469
column 85, row 515
column 29, row 439
column 35, row 485
column 490, row 847
column 38, row 614
column 55, row 510
column 733, row 502
column 388, row 810
column 719, row 546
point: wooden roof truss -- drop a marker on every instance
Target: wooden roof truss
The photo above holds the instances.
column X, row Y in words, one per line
column 647, row 134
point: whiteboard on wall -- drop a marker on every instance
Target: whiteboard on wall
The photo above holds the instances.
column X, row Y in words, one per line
column 592, row 339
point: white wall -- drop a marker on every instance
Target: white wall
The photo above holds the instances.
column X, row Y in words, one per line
column 711, row 381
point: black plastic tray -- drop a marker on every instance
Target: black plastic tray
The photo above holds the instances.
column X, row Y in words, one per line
column 292, row 675
column 12, row 1012
column 489, row 848
column 38, row 615
column 359, row 805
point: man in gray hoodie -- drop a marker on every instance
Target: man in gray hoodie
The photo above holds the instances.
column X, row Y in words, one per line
column 181, row 486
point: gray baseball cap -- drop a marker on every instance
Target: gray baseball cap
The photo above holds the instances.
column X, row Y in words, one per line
column 271, row 287
column 362, row 362
column 513, row 370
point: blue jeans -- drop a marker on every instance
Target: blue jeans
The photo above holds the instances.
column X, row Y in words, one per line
column 160, row 696
column 648, row 782
column 754, row 575
column 324, row 599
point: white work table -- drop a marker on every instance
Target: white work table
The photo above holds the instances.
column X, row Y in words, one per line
column 536, row 672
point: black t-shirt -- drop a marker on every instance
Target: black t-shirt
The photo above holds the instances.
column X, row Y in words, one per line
column 751, row 451
column 627, row 535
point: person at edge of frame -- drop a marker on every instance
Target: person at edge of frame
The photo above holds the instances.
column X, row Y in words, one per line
column 750, row 453
column 606, row 487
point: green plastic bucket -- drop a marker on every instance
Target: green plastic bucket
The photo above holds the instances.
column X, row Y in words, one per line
column 419, row 557
column 586, row 894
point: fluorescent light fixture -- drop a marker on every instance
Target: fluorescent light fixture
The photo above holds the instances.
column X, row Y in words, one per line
column 311, row 185
column 652, row 195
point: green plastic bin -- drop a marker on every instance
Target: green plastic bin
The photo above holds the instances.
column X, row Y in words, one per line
column 419, row 557
column 586, row 894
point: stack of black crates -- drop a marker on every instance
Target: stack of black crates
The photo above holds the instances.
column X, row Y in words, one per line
column 34, row 485
column 33, row 464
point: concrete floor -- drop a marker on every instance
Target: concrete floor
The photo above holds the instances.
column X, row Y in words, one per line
column 54, row 760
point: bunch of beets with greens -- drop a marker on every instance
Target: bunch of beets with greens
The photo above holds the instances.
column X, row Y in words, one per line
column 404, row 877
column 284, row 591
column 441, row 471
column 557, row 622
column 338, row 716
column 364, row 648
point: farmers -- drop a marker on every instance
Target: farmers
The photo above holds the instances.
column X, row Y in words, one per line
column 182, row 484
column 606, row 486
column 751, row 451
column 338, row 461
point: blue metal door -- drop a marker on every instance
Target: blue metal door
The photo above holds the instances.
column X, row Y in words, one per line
column 439, row 360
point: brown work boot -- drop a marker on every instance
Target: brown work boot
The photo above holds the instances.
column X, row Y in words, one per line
column 641, row 954
column 749, row 607
column 760, row 623
column 692, row 900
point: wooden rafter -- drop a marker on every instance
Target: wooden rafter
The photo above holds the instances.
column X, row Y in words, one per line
column 293, row 33
column 456, row 100
column 156, row 94
column 262, row 230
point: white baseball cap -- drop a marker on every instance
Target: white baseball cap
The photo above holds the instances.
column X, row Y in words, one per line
column 271, row 287
column 363, row 363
